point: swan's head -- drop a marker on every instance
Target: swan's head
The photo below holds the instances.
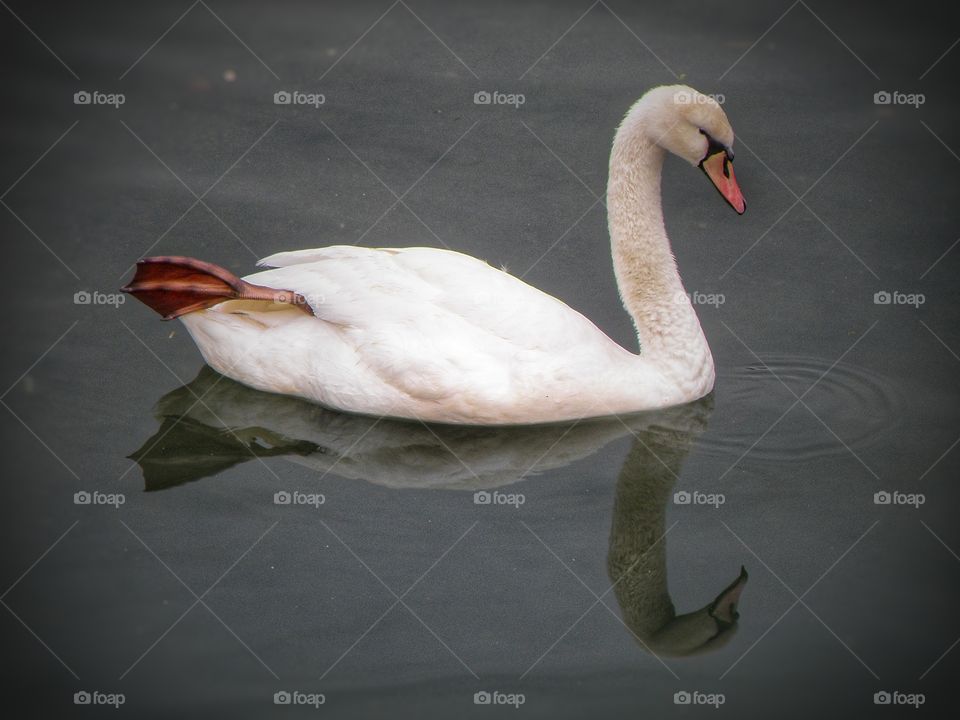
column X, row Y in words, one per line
column 694, row 127
column 704, row 630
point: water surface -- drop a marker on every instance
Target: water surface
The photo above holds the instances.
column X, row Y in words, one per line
column 599, row 569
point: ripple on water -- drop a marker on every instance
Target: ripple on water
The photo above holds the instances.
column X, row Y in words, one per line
column 862, row 407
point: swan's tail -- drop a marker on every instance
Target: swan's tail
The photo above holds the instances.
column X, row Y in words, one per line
column 174, row 286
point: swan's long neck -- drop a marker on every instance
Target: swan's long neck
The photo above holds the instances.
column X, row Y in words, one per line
column 650, row 286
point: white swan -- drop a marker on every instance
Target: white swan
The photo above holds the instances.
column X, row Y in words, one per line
column 434, row 335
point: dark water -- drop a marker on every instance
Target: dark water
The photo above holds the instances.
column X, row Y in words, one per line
column 586, row 584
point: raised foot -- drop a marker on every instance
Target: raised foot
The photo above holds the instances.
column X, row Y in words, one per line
column 174, row 285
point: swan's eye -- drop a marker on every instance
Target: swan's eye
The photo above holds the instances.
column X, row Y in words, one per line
column 714, row 146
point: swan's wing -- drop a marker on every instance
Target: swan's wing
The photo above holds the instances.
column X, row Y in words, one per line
column 312, row 255
column 435, row 323
column 359, row 286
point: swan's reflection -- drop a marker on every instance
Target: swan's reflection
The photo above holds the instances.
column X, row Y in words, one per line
column 637, row 558
column 214, row 423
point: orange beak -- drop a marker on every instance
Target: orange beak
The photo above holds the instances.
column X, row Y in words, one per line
column 719, row 168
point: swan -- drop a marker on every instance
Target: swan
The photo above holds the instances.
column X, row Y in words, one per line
column 438, row 336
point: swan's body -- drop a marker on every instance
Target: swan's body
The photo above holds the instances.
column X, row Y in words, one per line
column 430, row 334
column 439, row 336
